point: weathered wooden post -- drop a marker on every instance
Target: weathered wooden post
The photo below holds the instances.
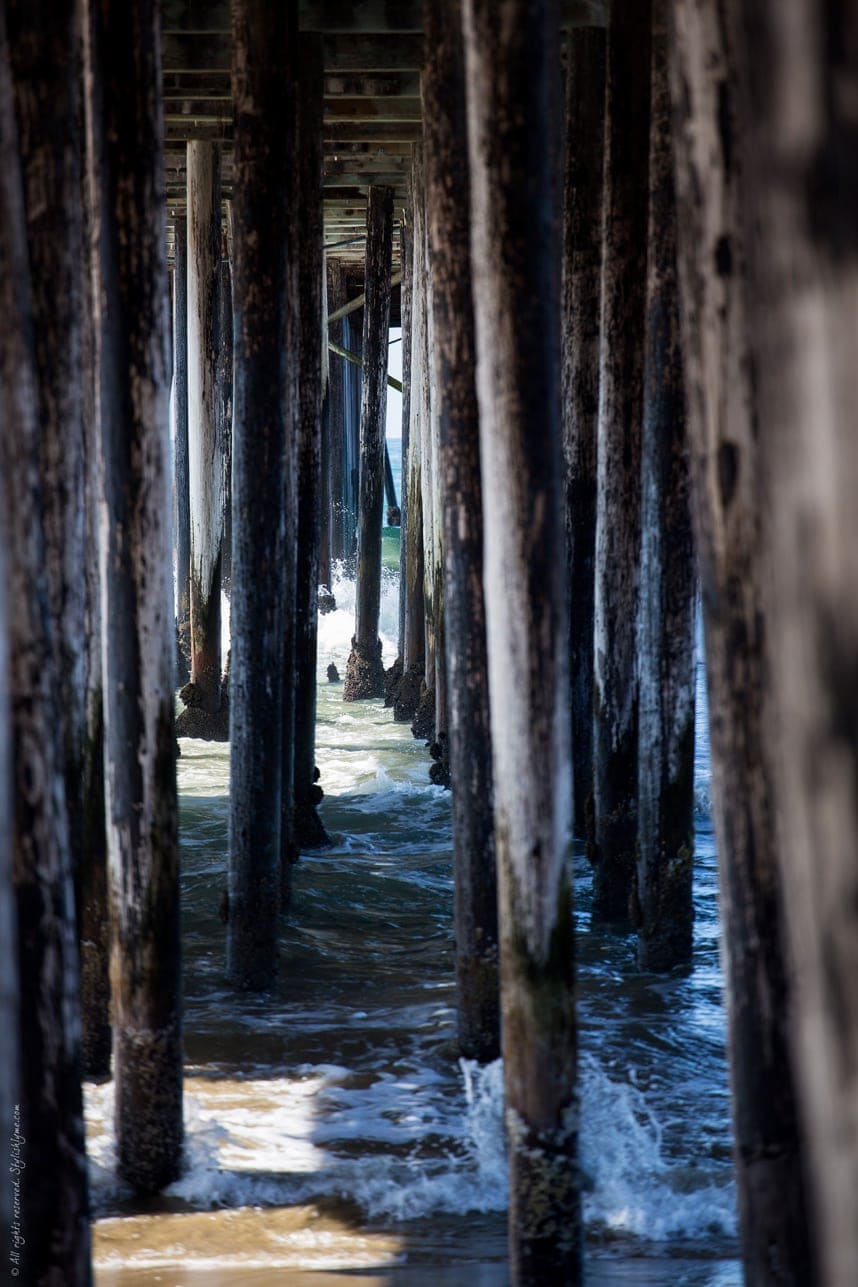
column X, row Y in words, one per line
column 205, row 470
column 47, row 1139
column 414, row 636
column 181, row 479
column 125, row 126
column 514, row 110
column 307, row 241
column 582, row 271
column 449, row 224
column 405, row 311
column 615, row 737
column 726, row 511
column 10, row 993
column 325, row 514
column 336, row 401
column 365, row 671
column 662, row 903
column 424, row 723
column 93, row 927
column 49, row 139
column 799, row 65
column 263, row 155
column 223, row 402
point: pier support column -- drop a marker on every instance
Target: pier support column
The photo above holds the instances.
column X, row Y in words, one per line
column 800, row 65
column 726, row 509
column 336, row 400
column 307, row 240
column 93, row 920
column 261, row 457
column 514, row 118
column 613, row 844
column 10, row 992
column 470, row 746
column 365, row 671
column 582, row 271
column 132, row 342
column 662, row 902
column 49, row 136
column 414, row 635
column 204, row 444
column 181, row 479
column 224, row 384
column 405, row 310
column 48, row 1137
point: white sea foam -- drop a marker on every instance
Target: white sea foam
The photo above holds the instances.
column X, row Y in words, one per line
column 290, row 1140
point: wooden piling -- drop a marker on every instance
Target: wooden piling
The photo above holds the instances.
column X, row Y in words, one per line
column 405, row 311
column 132, row 338
column 93, row 926
column 613, row 842
column 514, row 111
column 336, row 401
column 582, row 271
column 663, row 910
column 260, row 460
column 10, row 992
column 798, row 66
column 205, row 469
column 50, row 142
column 365, row 671
column 223, row 404
column 470, row 748
column 414, row 634
column 48, row 1138
column 181, row 479
column 722, row 427
column 307, row 240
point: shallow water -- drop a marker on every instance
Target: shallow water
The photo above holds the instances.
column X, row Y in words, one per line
column 331, row 1126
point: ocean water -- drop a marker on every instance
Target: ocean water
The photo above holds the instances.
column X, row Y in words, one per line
column 332, row 1127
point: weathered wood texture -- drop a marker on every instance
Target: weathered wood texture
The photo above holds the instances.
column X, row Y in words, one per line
column 49, row 1140
column 405, row 309
column 223, row 403
column 411, row 537
column 181, row 478
column 307, row 240
column 432, row 495
column 582, row 271
column 454, row 355
column 421, row 403
column 800, row 66
column 260, row 460
column 10, row 994
column 325, row 515
column 41, row 37
column 93, row 927
column 365, row 672
column 336, row 397
column 125, row 128
column 514, row 121
column 726, row 511
column 205, row 470
column 618, row 530
column 663, row 907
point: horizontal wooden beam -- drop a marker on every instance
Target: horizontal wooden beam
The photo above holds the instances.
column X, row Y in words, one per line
column 356, row 361
column 211, row 51
column 371, row 109
column 348, row 16
column 354, row 304
column 180, row 127
column 219, row 107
